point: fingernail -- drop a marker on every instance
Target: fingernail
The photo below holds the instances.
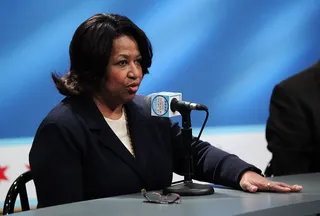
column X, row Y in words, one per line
column 298, row 187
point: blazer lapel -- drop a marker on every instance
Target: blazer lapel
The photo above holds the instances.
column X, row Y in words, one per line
column 139, row 133
column 109, row 139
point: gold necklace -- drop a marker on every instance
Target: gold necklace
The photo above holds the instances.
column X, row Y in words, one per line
column 128, row 132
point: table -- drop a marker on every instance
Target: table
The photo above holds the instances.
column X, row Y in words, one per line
column 223, row 202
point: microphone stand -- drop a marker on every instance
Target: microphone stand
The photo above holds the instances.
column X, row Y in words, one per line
column 188, row 187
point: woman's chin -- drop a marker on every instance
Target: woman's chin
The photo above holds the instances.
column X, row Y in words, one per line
column 130, row 96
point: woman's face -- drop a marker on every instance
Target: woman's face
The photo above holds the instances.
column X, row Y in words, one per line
column 124, row 72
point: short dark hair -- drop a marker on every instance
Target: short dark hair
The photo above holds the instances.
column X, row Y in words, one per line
column 90, row 51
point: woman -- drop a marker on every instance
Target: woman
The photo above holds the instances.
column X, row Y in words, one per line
column 101, row 140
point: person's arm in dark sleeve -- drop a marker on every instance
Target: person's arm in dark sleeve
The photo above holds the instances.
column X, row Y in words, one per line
column 288, row 134
column 55, row 162
column 210, row 163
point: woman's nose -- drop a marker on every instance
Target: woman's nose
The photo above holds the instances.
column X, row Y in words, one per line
column 135, row 71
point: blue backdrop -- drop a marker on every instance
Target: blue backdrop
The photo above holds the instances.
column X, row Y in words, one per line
column 227, row 54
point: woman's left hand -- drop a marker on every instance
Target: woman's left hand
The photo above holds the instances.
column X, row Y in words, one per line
column 253, row 182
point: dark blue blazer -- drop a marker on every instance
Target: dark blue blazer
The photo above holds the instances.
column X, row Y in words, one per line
column 293, row 126
column 76, row 156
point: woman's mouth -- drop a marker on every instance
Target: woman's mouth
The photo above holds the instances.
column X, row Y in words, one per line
column 133, row 88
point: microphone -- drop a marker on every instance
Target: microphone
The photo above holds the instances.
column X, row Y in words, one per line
column 169, row 104
column 183, row 105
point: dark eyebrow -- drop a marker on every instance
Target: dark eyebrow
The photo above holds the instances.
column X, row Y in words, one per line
column 127, row 57
column 124, row 56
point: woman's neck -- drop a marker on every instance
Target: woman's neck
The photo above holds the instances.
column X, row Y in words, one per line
column 108, row 109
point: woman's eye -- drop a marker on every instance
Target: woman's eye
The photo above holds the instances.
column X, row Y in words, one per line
column 122, row 62
column 138, row 61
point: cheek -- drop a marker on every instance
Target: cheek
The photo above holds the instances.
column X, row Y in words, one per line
column 116, row 80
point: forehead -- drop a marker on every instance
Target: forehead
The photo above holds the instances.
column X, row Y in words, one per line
column 125, row 45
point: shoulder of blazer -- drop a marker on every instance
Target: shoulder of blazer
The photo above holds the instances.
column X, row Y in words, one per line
column 71, row 111
column 142, row 105
column 61, row 113
column 304, row 82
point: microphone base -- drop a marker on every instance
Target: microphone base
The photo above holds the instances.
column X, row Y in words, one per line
column 189, row 188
